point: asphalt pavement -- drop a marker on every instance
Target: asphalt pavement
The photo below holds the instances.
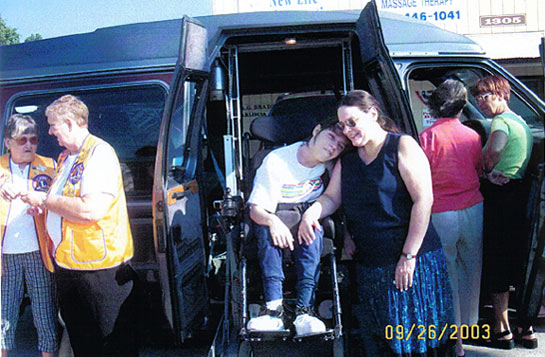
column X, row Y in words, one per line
column 518, row 351
column 26, row 344
column 26, row 341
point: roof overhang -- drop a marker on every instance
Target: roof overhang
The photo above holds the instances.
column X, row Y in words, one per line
column 510, row 45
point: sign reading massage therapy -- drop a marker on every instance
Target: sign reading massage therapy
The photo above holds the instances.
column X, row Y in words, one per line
column 447, row 14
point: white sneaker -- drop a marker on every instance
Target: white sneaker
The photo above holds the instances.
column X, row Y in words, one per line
column 306, row 324
column 266, row 322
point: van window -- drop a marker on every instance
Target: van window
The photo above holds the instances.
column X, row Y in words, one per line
column 127, row 117
column 422, row 82
column 180, row 121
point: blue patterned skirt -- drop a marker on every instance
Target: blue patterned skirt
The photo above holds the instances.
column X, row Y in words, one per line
column 411, row 321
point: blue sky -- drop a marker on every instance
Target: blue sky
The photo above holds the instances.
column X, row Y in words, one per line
column 53, row 18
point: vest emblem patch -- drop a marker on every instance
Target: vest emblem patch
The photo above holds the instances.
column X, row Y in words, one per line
column 75, row 174
column 41, row 183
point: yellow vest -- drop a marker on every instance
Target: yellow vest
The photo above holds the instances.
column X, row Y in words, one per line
column 99, row 245
column 40, row 174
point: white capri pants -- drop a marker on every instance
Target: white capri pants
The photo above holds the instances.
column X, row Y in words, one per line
column 461, row 234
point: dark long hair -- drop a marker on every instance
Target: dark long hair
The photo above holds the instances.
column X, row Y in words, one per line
column 365, row 101
column 448, row 99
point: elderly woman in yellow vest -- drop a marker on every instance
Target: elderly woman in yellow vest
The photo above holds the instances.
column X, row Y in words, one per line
column 88, row 224
column 25, row 256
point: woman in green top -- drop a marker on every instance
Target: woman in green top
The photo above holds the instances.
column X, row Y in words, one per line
column 506, row 155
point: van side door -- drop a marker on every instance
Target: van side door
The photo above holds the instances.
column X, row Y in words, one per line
column 178, row 213
column 381, row 75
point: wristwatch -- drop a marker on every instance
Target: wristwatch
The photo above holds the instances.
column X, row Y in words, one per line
column 409, row 255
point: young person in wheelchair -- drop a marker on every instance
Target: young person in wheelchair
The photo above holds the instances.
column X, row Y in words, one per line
column 288, row 176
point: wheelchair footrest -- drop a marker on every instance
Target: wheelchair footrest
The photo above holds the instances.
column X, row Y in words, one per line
column 326, row 335
column 255, row 335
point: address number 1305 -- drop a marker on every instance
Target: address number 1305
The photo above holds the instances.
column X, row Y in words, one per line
column 503, row 20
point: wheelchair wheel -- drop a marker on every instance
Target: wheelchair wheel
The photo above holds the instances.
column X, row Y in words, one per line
column 338, row 347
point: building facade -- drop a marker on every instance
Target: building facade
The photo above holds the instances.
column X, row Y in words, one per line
column 510, row 31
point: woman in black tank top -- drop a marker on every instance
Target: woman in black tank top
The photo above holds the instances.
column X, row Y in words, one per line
column 385, row 188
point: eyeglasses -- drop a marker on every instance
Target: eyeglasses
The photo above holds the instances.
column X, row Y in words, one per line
column 351, row 123
column 483, row 96
column 23, row 139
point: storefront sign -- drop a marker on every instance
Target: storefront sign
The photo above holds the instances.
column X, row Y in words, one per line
column 268, row 5
column 444, row 13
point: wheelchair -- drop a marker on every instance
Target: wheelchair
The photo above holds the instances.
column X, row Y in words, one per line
column 243, row 287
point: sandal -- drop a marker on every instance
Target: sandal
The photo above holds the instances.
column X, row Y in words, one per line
column 526, row 342
column 497, row 342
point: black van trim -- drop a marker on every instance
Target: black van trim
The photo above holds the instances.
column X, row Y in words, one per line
column 88, row 74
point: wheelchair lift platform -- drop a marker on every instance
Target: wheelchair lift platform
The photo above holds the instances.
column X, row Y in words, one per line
column 284, row 335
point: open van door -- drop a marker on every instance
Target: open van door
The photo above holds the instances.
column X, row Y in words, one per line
column 177, row 201
column 378, row 67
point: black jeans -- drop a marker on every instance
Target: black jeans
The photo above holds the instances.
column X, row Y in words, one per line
column 98, row 308
column 505, row 234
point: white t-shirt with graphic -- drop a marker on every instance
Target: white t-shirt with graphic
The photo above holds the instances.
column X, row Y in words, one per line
column 99, row 176
column 281, row 178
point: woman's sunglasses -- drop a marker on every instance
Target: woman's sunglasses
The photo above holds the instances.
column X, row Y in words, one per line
column 481, row 97
column 23, row 139
column 349, row 123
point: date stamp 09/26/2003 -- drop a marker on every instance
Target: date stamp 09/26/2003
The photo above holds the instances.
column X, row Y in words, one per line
column 433, row 332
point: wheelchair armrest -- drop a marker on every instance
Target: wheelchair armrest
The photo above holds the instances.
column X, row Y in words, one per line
column 328, row 247
column 333, row 234
column 328, row 225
